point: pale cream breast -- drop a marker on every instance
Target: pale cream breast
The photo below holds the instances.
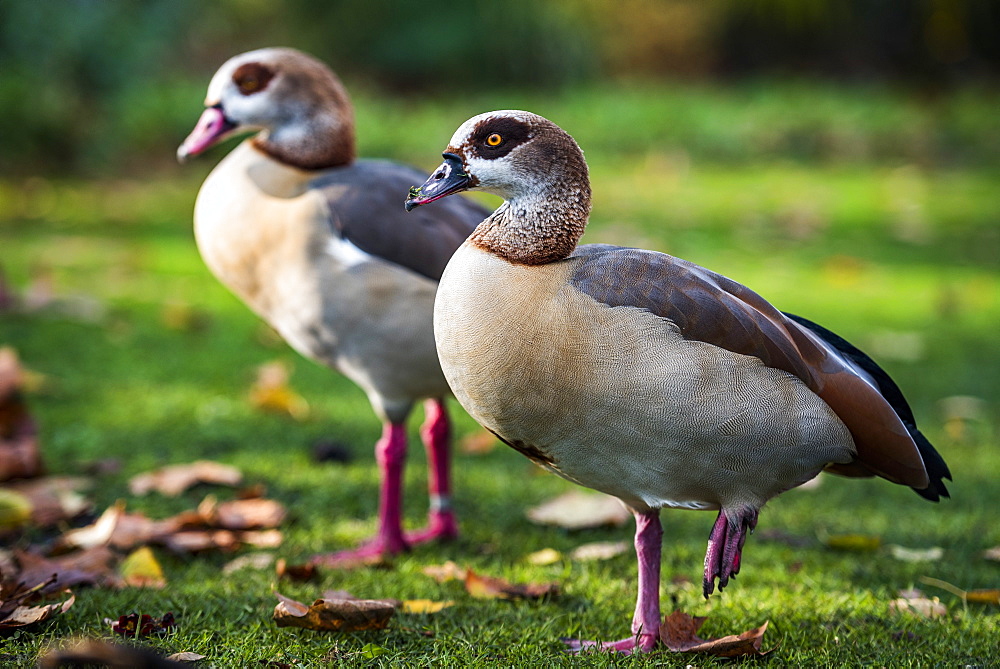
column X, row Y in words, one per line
column 616, row 399
column 269, row 240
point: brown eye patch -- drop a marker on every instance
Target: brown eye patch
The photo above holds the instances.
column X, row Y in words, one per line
column 496, row 137
column 252, row 77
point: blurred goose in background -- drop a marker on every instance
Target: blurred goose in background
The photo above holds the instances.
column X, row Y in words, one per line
column 642, row 375
column 312, row 240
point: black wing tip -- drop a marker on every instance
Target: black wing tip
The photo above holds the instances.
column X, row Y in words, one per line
column 937, row 468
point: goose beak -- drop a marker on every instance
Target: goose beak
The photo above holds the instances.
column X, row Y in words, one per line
column 448, row 178
column 212, row 128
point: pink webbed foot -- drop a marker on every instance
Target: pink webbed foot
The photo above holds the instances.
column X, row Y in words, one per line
column 725, row 547
column 372, row 552
column 441, row 526
column 640, row 643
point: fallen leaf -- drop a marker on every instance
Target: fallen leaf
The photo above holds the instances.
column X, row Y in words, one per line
column 271, row 392
column 135, row 625
column 478, row 443
column 916, row 554
column 248, row 514
column 599, row 550
column 486, row 587
column 983, row 596
column 186, row 656
column 14, row 596
column 251, row 561
column 449, row 571
column 678, row 632
column 342, row 615
column 262, row 538
column 97, row 534
column 141, row 570
column 853, row 542
column 544, row 557
column 89, row 567
column 54, row 499
column 992, row 554
column 424, row 606
column 90, row 652
column 576, row 510
column 19, row 450
column 15, row 509
column 296, row 572
column 919, row 606
column 175, row 479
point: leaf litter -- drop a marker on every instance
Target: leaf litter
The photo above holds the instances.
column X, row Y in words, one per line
column 678, row 632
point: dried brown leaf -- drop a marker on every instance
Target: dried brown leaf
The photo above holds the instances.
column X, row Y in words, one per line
column 54, row 499
column 271, row 392
column 342, row 615
column 905, row 554
column 478, row 443
column 90, row 567
column 175, row 479
column 251, row 561
column 678, row 632
column 97, row 534
column 449, row 571
column 19, row 452
column 600, row 550
column 544, row 557
column 296, row 572
column 577, row 510
column 186, row 656
column 486, row 587
column 22, row 616
column 249, row 514
column 919, row 606
column 992, row 554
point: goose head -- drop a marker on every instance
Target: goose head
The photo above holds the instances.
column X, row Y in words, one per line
column 530, row 162
column 298, row 107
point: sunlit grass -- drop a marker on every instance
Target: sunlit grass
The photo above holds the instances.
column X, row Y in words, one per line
column 899, row 258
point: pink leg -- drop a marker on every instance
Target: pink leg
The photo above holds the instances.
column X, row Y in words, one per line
column 436, row 434
column 725, row 547
column 390, row 453
column 646, row 621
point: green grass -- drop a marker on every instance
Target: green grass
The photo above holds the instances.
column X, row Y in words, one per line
column 902, row 258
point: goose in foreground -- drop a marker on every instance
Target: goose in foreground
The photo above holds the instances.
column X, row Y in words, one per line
column 642, row 375
column 312, row 241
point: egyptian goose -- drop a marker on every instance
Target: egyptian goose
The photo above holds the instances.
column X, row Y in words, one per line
column 643, row 375
column 312, row 241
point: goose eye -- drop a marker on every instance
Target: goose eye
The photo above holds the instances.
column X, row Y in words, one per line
column 248, row 85
column 494, row 140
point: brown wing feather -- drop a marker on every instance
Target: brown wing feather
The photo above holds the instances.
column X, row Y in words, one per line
column 709, row 307
column 365, row 201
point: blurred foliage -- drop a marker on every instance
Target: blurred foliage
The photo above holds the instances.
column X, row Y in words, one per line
column 98, row 87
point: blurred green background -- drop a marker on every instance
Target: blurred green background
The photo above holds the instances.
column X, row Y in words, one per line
column 97, row 88
column 841, row 157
